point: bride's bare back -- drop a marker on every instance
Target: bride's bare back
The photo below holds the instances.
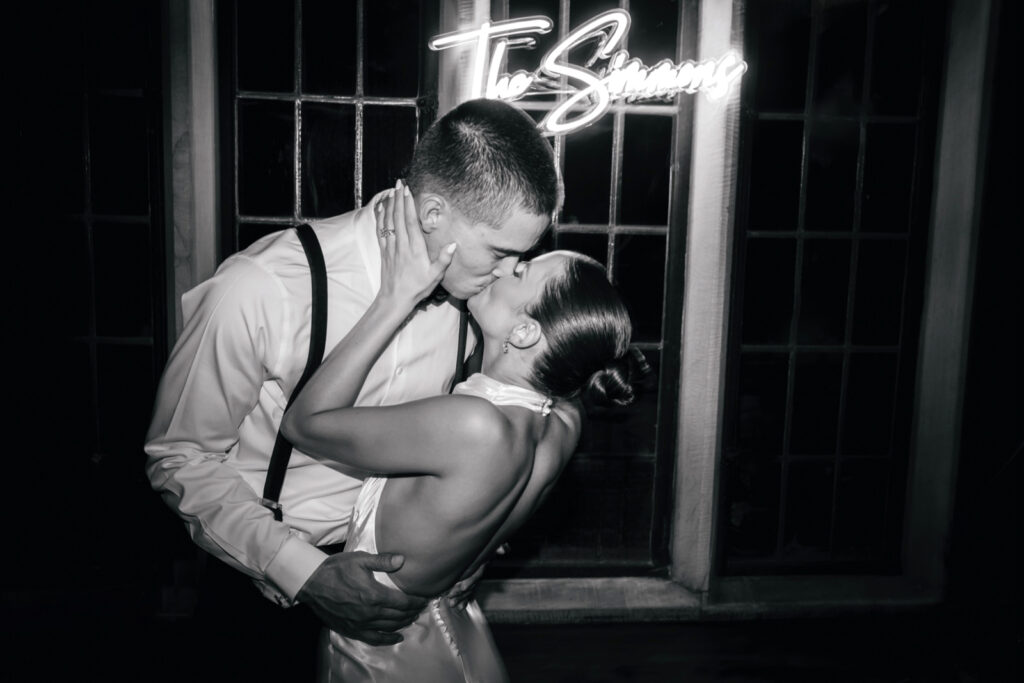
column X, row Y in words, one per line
column 446, row 524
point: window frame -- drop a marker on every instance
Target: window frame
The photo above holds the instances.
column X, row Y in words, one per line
column 693, row 590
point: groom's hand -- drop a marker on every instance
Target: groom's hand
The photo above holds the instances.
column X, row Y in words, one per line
column 346, row 597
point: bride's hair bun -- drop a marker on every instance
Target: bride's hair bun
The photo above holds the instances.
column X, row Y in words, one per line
column 615, row 383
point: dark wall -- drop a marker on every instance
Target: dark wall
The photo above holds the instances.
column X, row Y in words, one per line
column 85, row 314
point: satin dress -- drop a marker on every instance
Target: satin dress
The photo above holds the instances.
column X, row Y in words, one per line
column 443, row 645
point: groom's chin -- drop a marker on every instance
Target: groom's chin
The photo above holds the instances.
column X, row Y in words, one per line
column 462, row 290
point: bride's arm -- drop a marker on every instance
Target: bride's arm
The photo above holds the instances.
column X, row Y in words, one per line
column 407, row 275
column 322, row 422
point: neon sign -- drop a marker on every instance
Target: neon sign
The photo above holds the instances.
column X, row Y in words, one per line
column 621, row 79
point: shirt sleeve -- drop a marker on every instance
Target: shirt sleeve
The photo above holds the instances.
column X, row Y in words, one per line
column 234, row 322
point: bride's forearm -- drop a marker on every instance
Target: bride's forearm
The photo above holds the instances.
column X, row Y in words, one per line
column 408, row 273
column 337, row 382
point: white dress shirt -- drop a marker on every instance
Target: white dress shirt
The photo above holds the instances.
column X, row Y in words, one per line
column 226, row 385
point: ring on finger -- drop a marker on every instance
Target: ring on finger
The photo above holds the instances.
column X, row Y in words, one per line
column 386, row 232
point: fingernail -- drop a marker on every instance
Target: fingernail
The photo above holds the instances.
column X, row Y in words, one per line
column 406, row 190
column 452, row 247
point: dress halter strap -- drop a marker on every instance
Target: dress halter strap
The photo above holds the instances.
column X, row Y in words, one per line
column 501, row 394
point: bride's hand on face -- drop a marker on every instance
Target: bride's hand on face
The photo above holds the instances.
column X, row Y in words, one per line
column 408, row 274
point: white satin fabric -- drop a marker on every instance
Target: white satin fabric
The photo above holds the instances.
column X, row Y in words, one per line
column 443, row 645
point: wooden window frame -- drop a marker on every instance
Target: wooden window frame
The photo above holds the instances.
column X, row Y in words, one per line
column 693, row 590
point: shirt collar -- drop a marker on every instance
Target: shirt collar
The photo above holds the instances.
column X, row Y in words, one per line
column 366, row 238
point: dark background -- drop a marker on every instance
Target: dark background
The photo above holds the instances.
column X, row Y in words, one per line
column 92, row 553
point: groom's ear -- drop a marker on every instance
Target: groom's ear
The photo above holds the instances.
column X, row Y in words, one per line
column 431, row 210
column 526, row 334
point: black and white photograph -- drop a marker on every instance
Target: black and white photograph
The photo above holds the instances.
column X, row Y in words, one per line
column 515, row 341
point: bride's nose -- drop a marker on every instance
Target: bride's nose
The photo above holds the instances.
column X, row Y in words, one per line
column 506, row 266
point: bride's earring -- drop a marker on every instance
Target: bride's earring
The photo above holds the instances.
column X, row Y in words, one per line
column 504, row 345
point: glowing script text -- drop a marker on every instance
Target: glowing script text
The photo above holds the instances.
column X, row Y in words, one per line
column 590, row 92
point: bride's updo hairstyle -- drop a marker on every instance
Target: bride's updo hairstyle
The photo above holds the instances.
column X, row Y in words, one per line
column 587, row 329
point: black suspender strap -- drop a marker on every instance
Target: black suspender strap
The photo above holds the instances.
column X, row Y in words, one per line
column 317, row 342
column 460, row 356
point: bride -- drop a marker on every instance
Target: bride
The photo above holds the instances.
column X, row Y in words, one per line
column 455, row 475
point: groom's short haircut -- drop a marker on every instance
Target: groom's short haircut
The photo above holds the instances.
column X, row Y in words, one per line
column 489, row 159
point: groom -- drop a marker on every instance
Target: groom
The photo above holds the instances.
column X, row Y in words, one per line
column 481, row 176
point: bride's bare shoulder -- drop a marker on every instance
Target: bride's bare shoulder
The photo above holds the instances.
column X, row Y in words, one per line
column 472, row 421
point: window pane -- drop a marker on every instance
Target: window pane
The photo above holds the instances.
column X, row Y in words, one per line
column 68, row 288
column 266, row 164
column 808, row 511
column 782, row 31
column 768, row 290
column 846, row 403
column 61, row 64
column 126, row 387
column 897, row 62
column 388, row 140
column 840, row 66
column 117, row 47
column 588, row 172
column 328, row 159
column 878, row 307
column 646, row 159
column 329, row 47
column 123, row 282
column 581, row 11
column 266, row 46
column 598, row 512
column 751, row 490
column 392, row 47
column 119, row 160
column 594, row 246
column 888, row 177
column 762, row 402
column 831, row 175
column 861, row 509
column 60, row 146
column 775, row 175
column 653, row 29
column 640, row 278
column 75, row 412
column 526, row 59
column 816, row 403
column 870, row 393
column 823, row 291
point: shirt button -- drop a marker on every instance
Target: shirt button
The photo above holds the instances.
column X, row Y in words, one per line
column 399, row 371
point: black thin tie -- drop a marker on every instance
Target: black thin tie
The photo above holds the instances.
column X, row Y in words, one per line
column 460, row 358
